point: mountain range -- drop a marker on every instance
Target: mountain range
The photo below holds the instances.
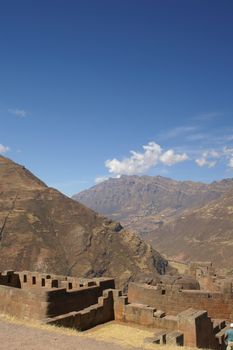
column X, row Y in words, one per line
column 184, row 220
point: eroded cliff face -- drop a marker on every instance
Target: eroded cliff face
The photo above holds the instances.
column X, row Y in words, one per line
column 43, row 230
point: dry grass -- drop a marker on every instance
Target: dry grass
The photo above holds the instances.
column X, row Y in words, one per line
column 128, row 336
column 37, row 324
column 120, row 334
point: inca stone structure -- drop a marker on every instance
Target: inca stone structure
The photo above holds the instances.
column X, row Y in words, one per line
column 178, row 311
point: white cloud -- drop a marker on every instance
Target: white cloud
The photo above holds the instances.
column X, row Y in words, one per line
column 208, row 159
column 169, row 157
column 140, row 163
column 100, row 179
column 204, row 162
column 4, row 149
column 211, row 157
column 228, row 152
column 230, row 163
column 213, row 154
column 18, row 112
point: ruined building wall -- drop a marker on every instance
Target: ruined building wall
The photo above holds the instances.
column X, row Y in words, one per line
column 195, row 325
column 11, row 279
column 62, row 301
column 84, row 303
column 37, row 297
column 218, row 305
column 22, row 303
column 89, row 317
column 30, row 280
column 206, row 275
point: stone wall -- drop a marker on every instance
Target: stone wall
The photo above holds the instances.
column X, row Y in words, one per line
column 207, row 276
column 10, row 278
column 30, row 280
column 196, row 326
column 62, row 301
column 38, row 296
column 23, row 304
column 84, row 303
column 89, row 317
column 217, row 304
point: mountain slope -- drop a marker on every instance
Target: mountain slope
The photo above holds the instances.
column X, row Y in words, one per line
column 146, row 203
column 43, row 230
column 203, row 233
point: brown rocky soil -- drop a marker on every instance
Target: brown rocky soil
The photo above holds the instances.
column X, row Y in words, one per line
column 43, row 230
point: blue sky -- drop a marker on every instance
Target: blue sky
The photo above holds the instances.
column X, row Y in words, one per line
column 84, row 83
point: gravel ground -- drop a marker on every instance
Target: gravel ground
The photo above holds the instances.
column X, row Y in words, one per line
column 15, row 336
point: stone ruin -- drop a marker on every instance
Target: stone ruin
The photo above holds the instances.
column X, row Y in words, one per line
column 207, row 275
column 178, row 311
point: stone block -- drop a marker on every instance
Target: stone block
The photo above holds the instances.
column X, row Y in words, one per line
column 160, row 337
column 175, row 338
column 159, row 314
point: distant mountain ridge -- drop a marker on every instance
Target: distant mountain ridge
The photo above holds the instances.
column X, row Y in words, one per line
column 43, row 230
column 204, row 233
column 153, row 206
column 139, row 201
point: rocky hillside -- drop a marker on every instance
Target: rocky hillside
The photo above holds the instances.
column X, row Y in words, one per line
column 43, row 230
column 146, row 203
column 205, row 233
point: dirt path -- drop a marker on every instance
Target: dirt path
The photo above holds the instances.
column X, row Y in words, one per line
column 16, row 336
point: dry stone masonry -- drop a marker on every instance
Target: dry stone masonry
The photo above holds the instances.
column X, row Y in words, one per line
column 178, row 311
